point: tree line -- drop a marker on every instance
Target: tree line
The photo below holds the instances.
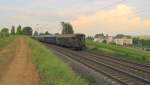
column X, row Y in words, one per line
column 16, row 31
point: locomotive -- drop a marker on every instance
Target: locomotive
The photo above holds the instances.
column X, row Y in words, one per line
column 74, row 41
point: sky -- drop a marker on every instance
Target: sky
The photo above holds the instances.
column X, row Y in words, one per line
column 87, row 16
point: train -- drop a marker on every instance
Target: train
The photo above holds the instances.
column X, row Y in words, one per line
column 73, row 41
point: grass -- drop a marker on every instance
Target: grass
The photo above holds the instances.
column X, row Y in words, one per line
column 52, row 70
column 5, row 41
column 6, row 52
column 145, row 37
column 118, row 51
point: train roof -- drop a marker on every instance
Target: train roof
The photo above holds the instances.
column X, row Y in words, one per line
column 64, row 35
column 45, row 36
column 70, row 35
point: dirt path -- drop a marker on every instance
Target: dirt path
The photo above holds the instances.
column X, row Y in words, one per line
column 21, row 71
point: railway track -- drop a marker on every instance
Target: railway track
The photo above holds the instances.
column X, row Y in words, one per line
column 123, row 72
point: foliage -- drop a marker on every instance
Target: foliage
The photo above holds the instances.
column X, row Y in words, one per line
column 42, row 34
column 67, row 28
column 99, row 35
column 4, row 32
column 19, row 30
column 104, row 41
column 13, row 30
column 89, row 38
column 57, row 34
column 52, row 70
column 118, row 51
column 36, row 33
column 122, row 35
column 27, row 31
column 47, row 33
column 145, row 37
column 6, row 40
column 141, row 42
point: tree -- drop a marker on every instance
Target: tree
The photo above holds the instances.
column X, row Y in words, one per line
column 36, row 33
column 99, row 35
column 19, row 30
column 13, row 30
column 90, row 38
column 67, row 28
column 120, row 35
column 27, row 31
column 105, row 41
column 46, row 33
column 4, row 32
column 57, row 34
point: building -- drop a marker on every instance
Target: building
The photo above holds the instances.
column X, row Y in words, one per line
column 124, row 41
column 107, row 39
column 99, row 39
column 119, row 39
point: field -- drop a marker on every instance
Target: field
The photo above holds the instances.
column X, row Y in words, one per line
column 118, row 51
column 144, row 37
column 52, row 70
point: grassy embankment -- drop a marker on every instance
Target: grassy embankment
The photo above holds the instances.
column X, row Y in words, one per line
column 118, row 51
column 52, row 70
column 5, row 41
column 6, row 52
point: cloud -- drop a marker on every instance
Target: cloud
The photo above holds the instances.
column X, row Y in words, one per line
column 120, row 19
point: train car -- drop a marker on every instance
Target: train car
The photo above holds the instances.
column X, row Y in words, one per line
column 75, row 41
column 46, row 38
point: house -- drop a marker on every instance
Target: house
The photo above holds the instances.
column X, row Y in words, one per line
column 109, row 39
column 119, row 39
column 99, row 38
column 102, row 38
column 123, row 40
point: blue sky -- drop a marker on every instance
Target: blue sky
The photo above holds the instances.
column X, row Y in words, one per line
column 87, row 16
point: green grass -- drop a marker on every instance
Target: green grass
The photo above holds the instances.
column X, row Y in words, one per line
column 145, row 37
column 52, row 70
column 118, row 51
column 5, row 41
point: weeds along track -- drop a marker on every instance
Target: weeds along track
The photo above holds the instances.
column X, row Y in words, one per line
column 123, row 72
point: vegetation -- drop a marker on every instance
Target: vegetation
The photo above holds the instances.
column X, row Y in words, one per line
column 141, row 42
column 5, row 41
column 53, row 71
column 47, row 33
column 4, row 32
column 118, row 51
column 6, row 50
column 36, row 33
column 99, row 35
column 13, row 30
column 122, row 35
column 27, row 31
column 19, row 30
column 145, row 37
column 67, row 28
